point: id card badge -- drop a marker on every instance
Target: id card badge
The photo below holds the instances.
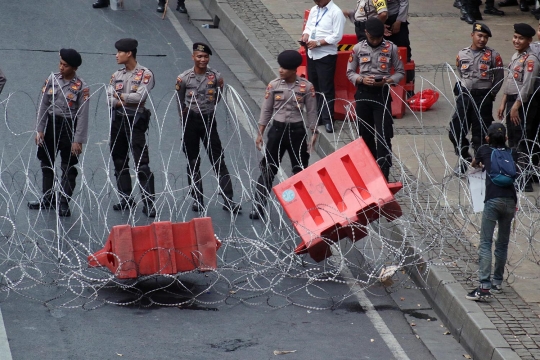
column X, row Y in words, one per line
column 313, row 34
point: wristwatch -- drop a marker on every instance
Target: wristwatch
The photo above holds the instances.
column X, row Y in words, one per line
column 318, row 43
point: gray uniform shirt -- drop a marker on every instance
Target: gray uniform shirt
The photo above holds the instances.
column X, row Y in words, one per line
column 375, row 61
column 2, row 81
column 482, row 69
column 284, row 103
column 134, row 87
column 535, row 49
column 366, row 9
column 65, row 98
column 522, row 75
column 400, row 7
column 198, row 93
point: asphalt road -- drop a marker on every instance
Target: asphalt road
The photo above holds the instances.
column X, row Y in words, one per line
column 49, row 315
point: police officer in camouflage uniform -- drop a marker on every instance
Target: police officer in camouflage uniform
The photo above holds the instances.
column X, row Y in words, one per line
column 374, row 58
column 518, row 89
column 285, row 99
column 366, row 9
column 481, row 72
column 127, row 94
column 62, row 126
column 199, row 89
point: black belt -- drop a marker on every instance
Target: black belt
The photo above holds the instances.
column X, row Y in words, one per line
column 372, row 89
column 511, row 97
column 196, row 115
column 59, row 118
column 292, row 126
column 479, row 92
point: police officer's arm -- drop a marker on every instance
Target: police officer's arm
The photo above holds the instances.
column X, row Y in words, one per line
column 382, row 10
column 403, row 14
column 181, row 96
column 529, row 77
column 267, row 110
column 111, row 93
column 221, row 85
column 352, row 65
column 502, row 107
column 399, row 71
column 2, row 81
column 81, row 132
column 310, row 101
column 498, row 74
column 139, row 97
column 42, row 114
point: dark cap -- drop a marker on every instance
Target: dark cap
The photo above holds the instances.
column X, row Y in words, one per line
column 496, row 128
column 375, row 27
column 126, row 44
column 199, row 46
column 524, row 30
column 289, row 59
column 72, row 57
column 481, row 28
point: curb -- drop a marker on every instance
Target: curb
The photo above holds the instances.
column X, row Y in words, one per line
column 464, row 318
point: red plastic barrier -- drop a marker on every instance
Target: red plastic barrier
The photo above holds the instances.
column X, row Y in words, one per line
column 345, row 90
column 423, row 100
column 337, row 197
column 159, row 248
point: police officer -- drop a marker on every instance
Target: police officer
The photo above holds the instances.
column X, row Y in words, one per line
column 199, row 89
column 285, row 99
column 481, row 72
column 181, row 6
column 128, row 91
column 519, row 86
column 374, row 57
column 366, row 9
column 62, row 126
column 397, row 29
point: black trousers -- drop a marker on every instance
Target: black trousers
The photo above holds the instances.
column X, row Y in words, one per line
column 532, row 128
column 517, row 133
column 129, row 135
column 197, row 128
column 360, row 30
column 474, row 110
column 401, row 39
column 282, row 137
column 374, row 111
column 59, row 135
column 321, row 74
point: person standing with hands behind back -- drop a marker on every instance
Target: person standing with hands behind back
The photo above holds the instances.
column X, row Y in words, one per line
column 323, row 31
column 499, row 208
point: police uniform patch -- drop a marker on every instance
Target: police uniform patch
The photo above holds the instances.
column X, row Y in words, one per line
column 483, row 67
column 383, row 59
column 487, row 52
column 498, row 61
column 50, row 91
column 457, row 61
column 70, row 104
column 220, row 82
column 383, row 66
column 312, row 90
column 43, row 89
column 179, row 79
column 277, row 97
column 267, row 95
column 210, row 92
column 210, row 83
column 517, row 68
column 210, row 98
column 364, row 59
column 530, row 65
column 137, row 78
column 211, row 77
column 70, row 96
column 147, row 78
column 190, row 93
column 384, row 51
column 134, row 88
column 177, row 87
column 269, row 87
column 477, row 27
column 76, row 86
column 86, row 93
column 351, row 58
column 119, row 86
column 140, row 72
column 484, row 74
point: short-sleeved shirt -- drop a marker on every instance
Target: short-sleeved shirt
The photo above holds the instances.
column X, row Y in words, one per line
column 483, row 155
column 134, row 86
column 199, row 93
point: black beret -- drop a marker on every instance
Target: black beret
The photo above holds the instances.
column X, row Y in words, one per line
column 481, row 28
column 375, row 27
column 496, row 128
column 524, row 29
column 289, row 59
column 126, row 44
column 72, row 57
column 199, row 46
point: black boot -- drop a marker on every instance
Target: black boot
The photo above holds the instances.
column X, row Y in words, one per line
column 474, row 10
column 48, row 200
column 181, row 6
column 100, row 4
column 507, row 3
column 198, row 204
column 536, row 13
column 457, row 4
column 492, row 10
column 161, row 6
column 523, row 6
column 232, row 206
column 68, row 183
column 148, row 191
column 465, row 13
column 257, row 212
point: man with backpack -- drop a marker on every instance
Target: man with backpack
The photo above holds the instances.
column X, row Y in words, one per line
column 499, row 208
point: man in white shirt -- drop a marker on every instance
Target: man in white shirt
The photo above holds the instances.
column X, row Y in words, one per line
column 323, row 31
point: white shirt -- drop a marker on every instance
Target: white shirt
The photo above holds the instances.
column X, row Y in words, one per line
column 327, row 23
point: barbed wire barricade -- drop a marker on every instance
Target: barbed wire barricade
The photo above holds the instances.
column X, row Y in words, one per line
column 43, row 257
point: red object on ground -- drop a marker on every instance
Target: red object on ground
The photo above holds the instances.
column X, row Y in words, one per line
column 337, row 197
column 159, row 248
column 423, row 100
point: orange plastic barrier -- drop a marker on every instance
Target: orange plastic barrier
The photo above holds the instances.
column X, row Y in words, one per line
column 345, row 90
column 159, row 248
column 423, row 100
column 337, row 197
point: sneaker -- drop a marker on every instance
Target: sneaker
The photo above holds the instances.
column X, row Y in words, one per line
column 479, row 294
column 496, row 289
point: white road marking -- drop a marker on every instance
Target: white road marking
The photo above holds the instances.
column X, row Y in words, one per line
column 180, row 29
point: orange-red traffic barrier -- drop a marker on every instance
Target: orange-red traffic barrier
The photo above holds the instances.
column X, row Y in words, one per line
column 337, row 197
column 423, row 100
column 159, row 248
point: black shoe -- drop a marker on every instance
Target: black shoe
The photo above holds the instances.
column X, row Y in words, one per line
column 233, row 207
column 479, row 294
column 476, row 14
column 329, row 128
column 64, row 210
column 507, row 3
column 160, row 9
column 151, row 213
column 41, row 204
column 457, row 4
column 467, row 18
column 493, row 11
column 100, row 4
column 197, row 206
column 181, row 9
column 256, row 212
column 124, row 205
column 524, row 7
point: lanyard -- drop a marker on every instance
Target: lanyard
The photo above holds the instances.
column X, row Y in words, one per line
column 317, row 19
